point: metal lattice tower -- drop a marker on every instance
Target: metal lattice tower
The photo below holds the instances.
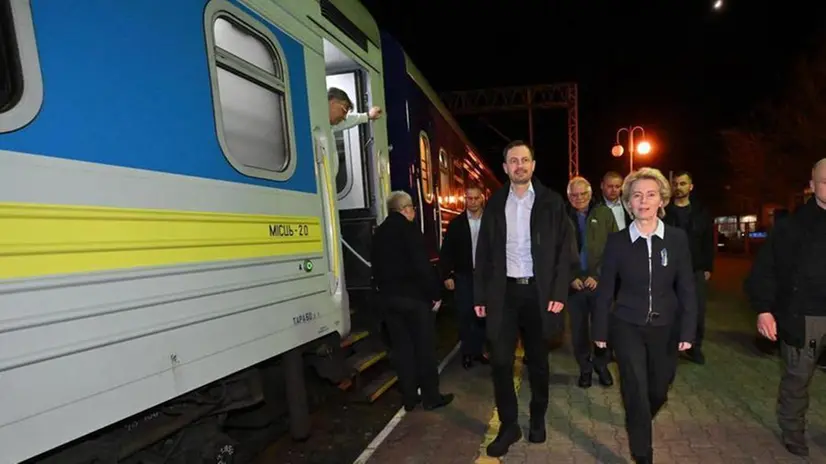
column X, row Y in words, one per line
column 528, row 99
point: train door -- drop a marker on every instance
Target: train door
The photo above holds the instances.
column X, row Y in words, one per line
column 352, row 145
column 362, row 165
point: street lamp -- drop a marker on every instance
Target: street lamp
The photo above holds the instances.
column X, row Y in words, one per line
column 643, row 148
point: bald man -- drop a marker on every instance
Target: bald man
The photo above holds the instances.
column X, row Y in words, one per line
column 786, row 289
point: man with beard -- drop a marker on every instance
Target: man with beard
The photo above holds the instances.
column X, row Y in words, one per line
column 523, row 264
column 689, row 215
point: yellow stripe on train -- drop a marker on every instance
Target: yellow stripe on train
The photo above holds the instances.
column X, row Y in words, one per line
column 39, row 240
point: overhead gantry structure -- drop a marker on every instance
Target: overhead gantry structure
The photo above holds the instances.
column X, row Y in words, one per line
column 523, row 98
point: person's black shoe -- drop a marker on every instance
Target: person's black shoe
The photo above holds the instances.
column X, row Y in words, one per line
column 409, row 406
column 467, row 362
column 604, row 376
column 584, row 380
column 643, row 459
column 537, row 433
column 503, row 441
column 795, row 443
column 445, row 400
column 798, row 450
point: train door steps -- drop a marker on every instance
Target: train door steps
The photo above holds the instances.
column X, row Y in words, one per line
column 368, row 362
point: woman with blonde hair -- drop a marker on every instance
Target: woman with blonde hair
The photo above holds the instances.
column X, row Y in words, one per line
column 647, row 280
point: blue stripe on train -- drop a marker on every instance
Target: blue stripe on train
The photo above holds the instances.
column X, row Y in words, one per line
column 127, row 84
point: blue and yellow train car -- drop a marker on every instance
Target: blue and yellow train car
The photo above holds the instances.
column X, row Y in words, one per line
column 169, row 218
column 167, row 212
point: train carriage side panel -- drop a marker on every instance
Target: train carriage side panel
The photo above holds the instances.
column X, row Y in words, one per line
column 421, row 121
column 137, row 261
column 410, row 130
column 401, row 133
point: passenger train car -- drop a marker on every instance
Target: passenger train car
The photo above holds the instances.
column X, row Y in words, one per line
column 170, row 229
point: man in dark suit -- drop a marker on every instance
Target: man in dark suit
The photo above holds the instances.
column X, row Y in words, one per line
column 457, row 259
column 408, row 289
column 691, row 216
column 523, row 264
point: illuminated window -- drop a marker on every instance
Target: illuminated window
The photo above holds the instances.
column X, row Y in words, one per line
column 444, row 173
column 424, row 161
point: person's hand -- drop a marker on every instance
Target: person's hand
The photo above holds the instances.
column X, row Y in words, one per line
column 767, row 326
column 577, row 284
column 590, row 283
column 374, row 113
column 449, row 284
column 601, row 344
column 555, row 307
column 707, row 274
column 437, row 305
column 480, row 311
column 683, row 346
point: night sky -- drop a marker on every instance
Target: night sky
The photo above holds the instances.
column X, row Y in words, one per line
column 677, row 67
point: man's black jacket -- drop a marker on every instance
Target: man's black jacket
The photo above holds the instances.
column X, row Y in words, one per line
column 700, row 231
column 773, row 283
column 551, row 248
column 400, row 261
column 456, row 256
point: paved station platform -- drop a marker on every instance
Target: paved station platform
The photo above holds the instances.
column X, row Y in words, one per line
column 721, row 412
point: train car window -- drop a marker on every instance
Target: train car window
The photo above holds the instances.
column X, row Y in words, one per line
column 250, row 91
column 11, row 76
column 444, row 173
column 424, row 160
column 21, row 84
column 243, row 44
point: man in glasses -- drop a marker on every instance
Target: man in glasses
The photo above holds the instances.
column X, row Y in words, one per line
column 409, row 291
column 342, row 118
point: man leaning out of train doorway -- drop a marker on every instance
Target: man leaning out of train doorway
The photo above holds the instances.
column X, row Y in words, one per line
column 342, row 118
column 409, row 292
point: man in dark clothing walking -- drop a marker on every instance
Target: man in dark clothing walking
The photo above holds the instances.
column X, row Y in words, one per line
column 523, row 263
column 457, row 259
column 786, row 289
column 594, row 222
column 408, row 289
column 689, row 215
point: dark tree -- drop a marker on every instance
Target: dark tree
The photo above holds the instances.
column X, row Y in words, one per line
column 772, row 152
